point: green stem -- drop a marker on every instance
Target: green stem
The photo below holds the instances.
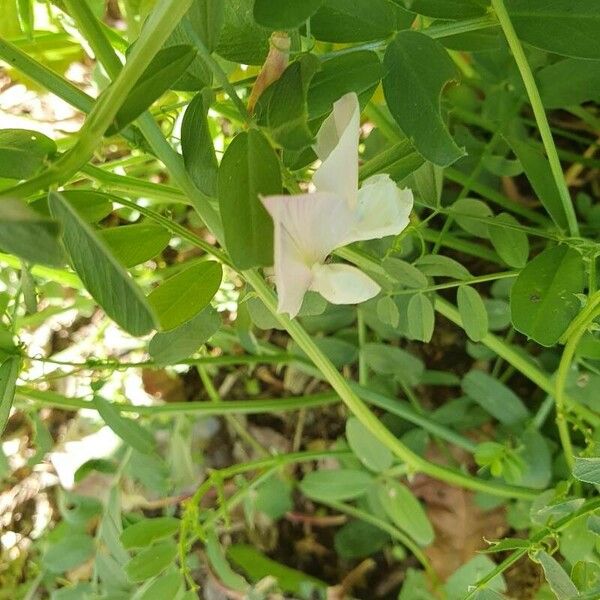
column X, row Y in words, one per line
column 240, row 407
column 539, row 113
column 453, row 284
column 363, row 369
column 563, row 372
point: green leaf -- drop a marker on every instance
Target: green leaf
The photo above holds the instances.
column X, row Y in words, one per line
column 437, row 265
column 404, row 273
column 587, row 469
column 413, row 93
column 104, row 278
column 166, row 68
column 421, row 318
column 197, row 145
column 358, row 539
column 147, row 531
column 91, row 206
column 445, row 9
column 358, row 72
column 511, row 244
column 166, row 586
column 368, row 449
column 151, row 561
column 569, row 82
column 28, row 235
column 469, row 574
column 389, row 360
column 405, row 511
column 9, row 371
column 170, row 347
column 494, row 397
column 472, row 313
column 135, row 244
column 561, row 26
column 282, row 107
column 387, row 311
column 185, row 294
column 557, row 578
column 131, row 432
column 350, row 21
column 257, row 566
column 273, row 498
column 338, row 484
column 69, row 552
column 284, row 14
column 206, row 18
column 538, row 172
column 249, row 167
column 543, row 299
column 471, row 215
column 242, row 39
column 23, row 152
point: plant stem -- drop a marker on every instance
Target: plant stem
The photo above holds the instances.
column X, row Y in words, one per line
column 453, row 284
column 563, row 372
column 539, row 113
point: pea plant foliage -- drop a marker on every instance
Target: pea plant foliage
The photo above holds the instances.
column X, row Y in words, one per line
column 300, row 301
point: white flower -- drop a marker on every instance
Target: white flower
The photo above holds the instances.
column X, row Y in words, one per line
column 309, row 227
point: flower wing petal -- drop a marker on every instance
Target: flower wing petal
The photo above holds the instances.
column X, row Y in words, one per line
column 383, row 209
column 337, row 147
column 343, row 284
column 307, row 228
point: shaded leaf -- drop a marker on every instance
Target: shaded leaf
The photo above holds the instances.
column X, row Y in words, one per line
column 473, row 313
column 494, row 397
column 28, row 235
column 164, row 69
column 9, row 371
column 249, row 167
column 368, row 449
column 511, row 244
column 421, row 318
column 135, row 244
column 151, row 561
column 413, row 93
column 543, row 299
column 104, row 278
column 284, row 14
column 338, row 484
column 169, row 347
column 147, row 531
column 131, row 432
column 23, row 152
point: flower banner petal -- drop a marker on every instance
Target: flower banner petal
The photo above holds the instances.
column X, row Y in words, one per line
column 343, row 284
column 337, row 147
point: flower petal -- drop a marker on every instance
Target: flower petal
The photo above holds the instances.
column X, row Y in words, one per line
column 337, row 147
column 307, row 228
column 383, row 209
column 343, row 284
column 317, row 223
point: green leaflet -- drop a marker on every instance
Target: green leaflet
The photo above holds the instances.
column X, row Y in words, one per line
column 135, row 244
column 185, row 294
column 164, row 70
column 9, row 371
column 104, row 278
column 197, row 144
column 561, row 26
column 29, row 235
column 249, row 168
column 23, row 152
column 417, row 69
column 543, row 299
column 284, row 14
